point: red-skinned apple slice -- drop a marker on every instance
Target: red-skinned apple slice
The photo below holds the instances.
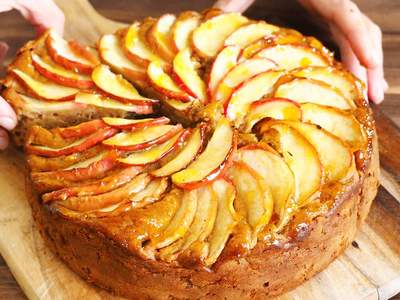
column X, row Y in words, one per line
column 159, row 37
column 59, row 75
column 188, row 153
column 77, row 146
column 248, row 92
column 301, row 157
column 164, row 84
column 115, row 86
column 45, row 90
column 304, row 90
column 249, row 33
column 291, row 56
column 210, row 36
column 274, row 108
column 142, row 138
column 340, row 123
column 100, row 186
column 239, row 74
column 213, row 161
column 112, row 54
column 81, row 130
column 129, row 124
column 62, row 53
column 223, row 63
column 185, row 74
column 157, row 152
column 225, row 220
column 183, row 28
column 151, row 193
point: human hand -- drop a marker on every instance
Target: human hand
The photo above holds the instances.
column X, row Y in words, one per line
column 42, row 14
column 358, row 38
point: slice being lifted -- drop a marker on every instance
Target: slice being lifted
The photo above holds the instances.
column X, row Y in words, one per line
column 159, row 37
column 130, row 124
column 183, row 28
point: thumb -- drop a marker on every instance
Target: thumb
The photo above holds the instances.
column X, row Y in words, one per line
column 233, row 5
column 3, row 50
column 8, row 118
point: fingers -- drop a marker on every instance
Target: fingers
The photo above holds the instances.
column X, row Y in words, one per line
column 233, row 5
column 8, row 119
column 4, row 140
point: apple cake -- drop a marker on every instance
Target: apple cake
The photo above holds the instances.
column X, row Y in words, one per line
column 204, row 155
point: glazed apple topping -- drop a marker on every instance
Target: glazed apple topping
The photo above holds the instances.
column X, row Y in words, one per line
column 183, row 28
column 159, row 37
column 132, row 124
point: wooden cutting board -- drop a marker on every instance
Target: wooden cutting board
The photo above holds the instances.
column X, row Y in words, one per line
column 369, row 269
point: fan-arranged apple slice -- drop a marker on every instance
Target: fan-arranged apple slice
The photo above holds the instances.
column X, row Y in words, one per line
column 239, row 74
column 248, row 92
column 45, row 90
column 274, row 108
column 274, row 171
column 77, row 146
column 253, row 198
column 136, row 49
column 338, row 79
column 183, row 28
column 60, row 75
column 164, row 84
column 159, row 37
column 304, row 90
column 67, row 54
column 291, row 56
column 213, row 161
column 80, row 130
column 143, row 138
column 94, row 202
column 179, row 224
column 223, row 63
column 249, row 33
column 150, row 194
column 115, row 86
column 188, row 153
column 340, row 123
column 185, row 73
column 112, row 54
column 131, row 124
column 210, row 36
column 225, row 220
column 301, row 157
column 155, row 153
column 104, row 102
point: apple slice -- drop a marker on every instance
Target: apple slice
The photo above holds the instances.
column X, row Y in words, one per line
column 164, row 84
column 248, row 92
column 274, row 172
column 152, row 193
column 154, row 154
column 291, row 56
column 143, row 137
column 304, row 90
column 183, row 28
column 159, row 37
column 62, row 53
column 340, row 123
column 184, row 69
column 188, row 153
column 179, row 224
column 60, row 75
column 301, row 157
column 253, row 198
column 249, row 33
column 208, row 39
column 77, row 146
column 225, row 220
column 136, row 49
column 213, row 161
column 112, row 54
column 108, row 103
column 121, row 194
column 80, row 130
column 337, row 78
column 129, row 124
column 334, row 154
column 239, row 74
column 275, row 108
column 45, row 90
column 115, row 86
column 100, row 186
column 223, row 63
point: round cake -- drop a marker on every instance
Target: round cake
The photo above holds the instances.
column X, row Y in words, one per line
column 204, row 155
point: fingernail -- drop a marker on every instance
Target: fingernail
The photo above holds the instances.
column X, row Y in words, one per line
column 7, row 123
column 378, row 94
